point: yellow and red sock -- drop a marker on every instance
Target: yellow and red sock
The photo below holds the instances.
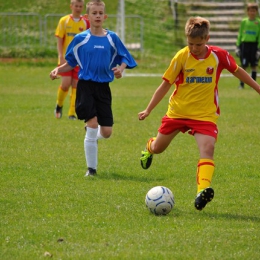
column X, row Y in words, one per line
column 61, row 95
column 72, row 102
column 148, row 145
column 205, row 172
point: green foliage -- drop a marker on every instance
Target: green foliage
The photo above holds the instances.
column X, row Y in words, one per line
column 49, row 208
column 162, row 36
column 36, row 52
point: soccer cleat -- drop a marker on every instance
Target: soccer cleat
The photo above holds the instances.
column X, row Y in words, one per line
column 203, row 198
column 91, row 172
column 58, row 112
column 72, row 117
column 146, row 159
column 241, row 87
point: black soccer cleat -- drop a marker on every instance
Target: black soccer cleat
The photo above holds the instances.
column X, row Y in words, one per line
column 146, row 159
column 58, row 112
column 91, row 172
column 203, row 198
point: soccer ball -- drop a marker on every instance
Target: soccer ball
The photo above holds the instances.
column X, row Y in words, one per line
column 159, row 200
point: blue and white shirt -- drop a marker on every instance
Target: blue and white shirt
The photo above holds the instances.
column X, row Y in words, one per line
column 97, row 55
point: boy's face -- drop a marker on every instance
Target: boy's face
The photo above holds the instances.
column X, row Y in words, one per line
column 77, row 8
column 197, row 46
column 252, row 13
column 96, row 15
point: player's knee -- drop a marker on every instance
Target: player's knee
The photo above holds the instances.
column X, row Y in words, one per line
column 157, row 148
column 209, row 149
column 106, row 133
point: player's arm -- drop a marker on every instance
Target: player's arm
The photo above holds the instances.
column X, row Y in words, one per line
column 60, row 50
column 158, row 95
column 242, row 75
column 238, row 42
column 63, row 68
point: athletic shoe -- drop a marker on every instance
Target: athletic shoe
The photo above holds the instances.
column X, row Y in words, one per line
column 146, row 159
column 203, row 198
column 58, row 112
column 241, row 87
column 91, row 172
column 72, row 117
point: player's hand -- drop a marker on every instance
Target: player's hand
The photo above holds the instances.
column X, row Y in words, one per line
column 238, row 52
column 142, row 115
column 257, row 56
column 117, row 72
column 54, row 74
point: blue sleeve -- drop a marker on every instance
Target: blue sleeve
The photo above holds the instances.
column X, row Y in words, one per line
column 123, row 54
column 70, row 55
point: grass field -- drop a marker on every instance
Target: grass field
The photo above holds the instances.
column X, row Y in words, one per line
column 48, row 208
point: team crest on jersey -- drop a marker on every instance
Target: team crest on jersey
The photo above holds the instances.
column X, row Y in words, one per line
column 210, row 70
column 81, row 29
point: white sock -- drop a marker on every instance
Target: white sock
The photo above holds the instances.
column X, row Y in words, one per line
column 99, row 135
column 91, row 148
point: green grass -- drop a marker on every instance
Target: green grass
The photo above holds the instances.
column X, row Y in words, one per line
column 47, row 205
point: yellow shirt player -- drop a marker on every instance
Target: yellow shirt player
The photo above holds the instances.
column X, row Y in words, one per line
column 196, row 82
column 68, row 26
column 194, row 104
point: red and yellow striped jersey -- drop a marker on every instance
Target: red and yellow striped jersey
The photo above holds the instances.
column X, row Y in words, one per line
column 196, row 83
column 67, row 28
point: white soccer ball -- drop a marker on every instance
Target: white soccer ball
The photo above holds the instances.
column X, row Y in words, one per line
column 159, row 200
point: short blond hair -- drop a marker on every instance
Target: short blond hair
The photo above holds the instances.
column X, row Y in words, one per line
column 94, row 2
column 74, row 1
column 252, row 6
column 197, row 27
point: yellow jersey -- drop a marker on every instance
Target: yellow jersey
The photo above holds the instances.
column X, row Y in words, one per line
column 67, row 28
column 196, row 83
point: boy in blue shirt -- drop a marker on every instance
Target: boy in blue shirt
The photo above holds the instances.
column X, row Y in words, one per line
column 101, row 56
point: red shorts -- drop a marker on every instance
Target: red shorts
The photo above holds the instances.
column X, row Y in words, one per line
column 72, row 73
column 170, row 125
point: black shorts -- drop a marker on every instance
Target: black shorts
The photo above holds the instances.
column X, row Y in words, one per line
column 94, row 99
column 248, row 54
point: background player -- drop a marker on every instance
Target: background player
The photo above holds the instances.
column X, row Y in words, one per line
column 248, row 41
column 101, row 56
column 194, row 103
column 67, row 28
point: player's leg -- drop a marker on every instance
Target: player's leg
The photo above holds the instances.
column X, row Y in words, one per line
column 253, row 60
column 254, row 65
column 72, row 112
column 100, row 125
column 253, row 73
column 156, row 145
column 205, row 169
column 90, row 146
column 74, row 82
column 244, row 59
column 61, row 95
column 85, row 109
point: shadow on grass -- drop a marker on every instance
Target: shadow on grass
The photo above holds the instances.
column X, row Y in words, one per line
column 217, row 215
column 231, row 216
column 140, row 178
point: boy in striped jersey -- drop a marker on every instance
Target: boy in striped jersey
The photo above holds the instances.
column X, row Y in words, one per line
column 68, row 26
column 194, row 104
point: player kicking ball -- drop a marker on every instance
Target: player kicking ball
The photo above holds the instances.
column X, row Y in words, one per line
column 194, row 104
